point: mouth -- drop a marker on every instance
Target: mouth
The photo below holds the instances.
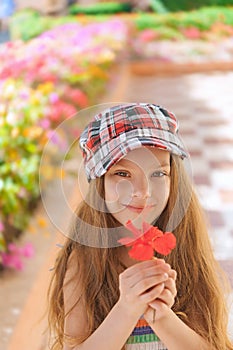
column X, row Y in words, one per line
column 138, row 209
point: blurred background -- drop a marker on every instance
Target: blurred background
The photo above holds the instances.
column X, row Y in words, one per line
column 60, row 62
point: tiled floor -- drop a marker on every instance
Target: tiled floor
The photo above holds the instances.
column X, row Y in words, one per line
column 213, row 169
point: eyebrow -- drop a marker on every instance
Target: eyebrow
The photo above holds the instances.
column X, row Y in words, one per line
column 162, row 165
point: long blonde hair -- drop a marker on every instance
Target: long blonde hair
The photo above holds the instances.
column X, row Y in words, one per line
column 200, row 301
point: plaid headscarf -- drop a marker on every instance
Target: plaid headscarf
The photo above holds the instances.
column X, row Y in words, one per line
column 120, row 129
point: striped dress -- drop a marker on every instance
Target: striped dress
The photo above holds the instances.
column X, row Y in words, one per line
column 144, row 338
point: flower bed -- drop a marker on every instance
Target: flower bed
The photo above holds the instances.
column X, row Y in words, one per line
column 43, row 82
column 200, row 36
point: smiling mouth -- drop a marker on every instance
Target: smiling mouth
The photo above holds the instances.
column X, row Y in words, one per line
column 138, row 209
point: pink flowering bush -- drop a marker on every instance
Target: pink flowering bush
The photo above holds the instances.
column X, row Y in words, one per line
column 64, row 54
column 14, row 257
column 42, row 83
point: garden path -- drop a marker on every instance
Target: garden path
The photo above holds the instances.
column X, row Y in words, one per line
column 203, row 104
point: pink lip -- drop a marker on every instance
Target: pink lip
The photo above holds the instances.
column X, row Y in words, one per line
column 138, row 209
column 135, row 209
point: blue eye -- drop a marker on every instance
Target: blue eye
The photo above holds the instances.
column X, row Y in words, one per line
column 159, row 174
column 122, row 173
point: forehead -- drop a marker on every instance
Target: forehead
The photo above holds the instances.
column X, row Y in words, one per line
column 146, row 157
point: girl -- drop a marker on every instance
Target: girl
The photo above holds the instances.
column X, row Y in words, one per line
column 101, row 298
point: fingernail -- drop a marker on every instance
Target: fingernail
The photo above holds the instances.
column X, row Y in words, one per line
column 166, row 276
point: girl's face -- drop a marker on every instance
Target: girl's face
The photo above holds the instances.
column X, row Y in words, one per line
column 137, row 187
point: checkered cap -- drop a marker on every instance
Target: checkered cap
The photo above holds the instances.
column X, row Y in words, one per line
column 120, row 129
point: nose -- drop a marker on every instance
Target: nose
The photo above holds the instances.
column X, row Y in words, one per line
column 141, row 188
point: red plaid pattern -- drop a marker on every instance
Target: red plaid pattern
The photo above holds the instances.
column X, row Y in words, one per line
column 120, row 129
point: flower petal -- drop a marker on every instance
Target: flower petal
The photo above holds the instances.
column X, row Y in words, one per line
column 141, row 252
column 164, row 244
column 128, row 241
column 129, row 225
column 152, row 234
column 146, row 227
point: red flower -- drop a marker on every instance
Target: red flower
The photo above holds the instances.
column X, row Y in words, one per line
column 192, row 33
column 146, row 241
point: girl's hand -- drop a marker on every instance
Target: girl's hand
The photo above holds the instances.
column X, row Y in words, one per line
column 158, row 307
column 143, row 283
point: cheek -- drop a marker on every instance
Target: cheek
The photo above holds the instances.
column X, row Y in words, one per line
column 160, row 196
column 161, row 190
column 167, row 189
column 124, row 190
column 117, row 190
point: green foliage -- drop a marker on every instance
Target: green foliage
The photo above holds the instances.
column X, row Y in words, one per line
column 146, row 20
column 184, row 5
column 199, row 19
column 224, row 14
column 158, row 6
column 202, row 19
column 222, row 2
column 166, row 33
column 104, row 8
column 187, row 5
column 28, row 24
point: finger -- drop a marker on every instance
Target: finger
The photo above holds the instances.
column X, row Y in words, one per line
column 152, row 294
column 143, row 274
column 147, row 283
column 171, row 285
column 132, row 270
column 150, row 272
column 167, row 297
column 142, row 278
column 173, row 274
